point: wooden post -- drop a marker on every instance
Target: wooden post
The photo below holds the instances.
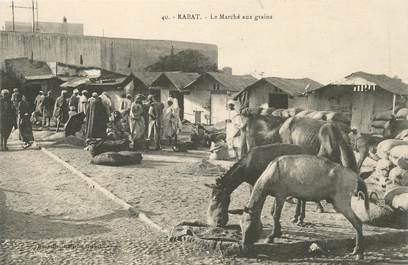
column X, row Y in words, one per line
column 393, row 103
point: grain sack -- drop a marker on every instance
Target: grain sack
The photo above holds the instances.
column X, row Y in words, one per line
column 400, row 202
column 336, row 116
column 267, row 111
column 369, row 162
column 379, row 214
column 402, row 113
column 399, row 152
column 384, row 115
column 109, row 146
column 134, row 157
column 291, row 112
column 304, row 113
column 402, row 134
column 378, row 124
column 395, row 173
column 278, row 112
column 319, row 115
column 384, row 164
column 402, row 180
column 115, row 159
column 384, row 147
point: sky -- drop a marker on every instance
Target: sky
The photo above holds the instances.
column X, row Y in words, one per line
column 320, row 39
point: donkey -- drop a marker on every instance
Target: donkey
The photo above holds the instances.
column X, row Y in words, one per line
column 309, row 178
column 313, row 136
column 247, row 169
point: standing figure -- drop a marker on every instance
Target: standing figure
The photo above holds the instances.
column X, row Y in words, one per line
column 96, row 118
column 125, row 110
column 16, row 98
column 155, row 113
column 233, row 129
column 47, row 109
column 106, row 101
column 7, row 118
column 83, row 101
column 171, row 122
column 74, row 100
column 24, row 123
column 39, row 99
column 137, row 122
column 61, row 109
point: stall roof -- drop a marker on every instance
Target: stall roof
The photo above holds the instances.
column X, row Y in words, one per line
column 28, row 70
column 178, row 79
column 147, row 78
column 292, row 86
column 393, row 85
column 230, row 82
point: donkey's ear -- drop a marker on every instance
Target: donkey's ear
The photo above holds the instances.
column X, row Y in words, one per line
column 365, row 175
column 211, row 186
column 236, row 211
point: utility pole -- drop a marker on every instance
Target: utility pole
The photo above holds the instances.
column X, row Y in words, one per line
column 36, row 8
column 32, row 7
column 12, row 11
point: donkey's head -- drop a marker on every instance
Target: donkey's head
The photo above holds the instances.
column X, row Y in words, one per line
column 217, row 213
column 251, row 229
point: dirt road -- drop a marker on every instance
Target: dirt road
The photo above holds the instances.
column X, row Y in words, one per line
column 50, row 216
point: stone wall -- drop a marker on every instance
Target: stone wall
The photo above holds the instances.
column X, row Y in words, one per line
column 110, row 53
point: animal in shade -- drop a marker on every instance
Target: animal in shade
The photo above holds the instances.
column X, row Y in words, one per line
column 299, row 135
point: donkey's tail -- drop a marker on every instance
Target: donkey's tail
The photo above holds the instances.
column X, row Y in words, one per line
column 362, row 188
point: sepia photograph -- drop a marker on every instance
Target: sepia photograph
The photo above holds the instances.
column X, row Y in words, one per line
column 203, row 132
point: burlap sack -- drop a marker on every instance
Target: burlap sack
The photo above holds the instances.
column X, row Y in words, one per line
column 384, row 147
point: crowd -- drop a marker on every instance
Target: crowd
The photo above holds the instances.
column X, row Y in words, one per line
column 142, row 121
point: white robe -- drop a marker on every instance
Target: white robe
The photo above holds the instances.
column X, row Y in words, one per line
column 233, row 129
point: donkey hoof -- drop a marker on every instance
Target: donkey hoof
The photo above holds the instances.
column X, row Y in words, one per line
column 268, row 240
column 294, row 220
column 300, row 223
column 359, row 256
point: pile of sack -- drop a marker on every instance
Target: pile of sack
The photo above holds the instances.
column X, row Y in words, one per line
column 111, row 152
column 339, row 118
column 387, row 182
column 382, row 120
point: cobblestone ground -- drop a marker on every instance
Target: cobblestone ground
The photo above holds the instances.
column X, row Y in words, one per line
column 50, row 216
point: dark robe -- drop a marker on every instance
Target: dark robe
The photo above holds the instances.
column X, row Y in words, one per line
column 48, row 106
column 74, row 101
column 24, row 123
column 61, row 109
column 96, row 119
column 7, row 117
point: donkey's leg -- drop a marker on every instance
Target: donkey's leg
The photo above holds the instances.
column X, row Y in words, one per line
column 276, row 230
column 297, row 211
column 319, row 207
column 343, row 205
column 302, row 213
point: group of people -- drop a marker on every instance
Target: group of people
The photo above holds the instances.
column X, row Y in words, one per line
column 147, row 119
column 141, row 120
column 15, row 113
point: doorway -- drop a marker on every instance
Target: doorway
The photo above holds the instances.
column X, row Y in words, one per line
column 278, row 101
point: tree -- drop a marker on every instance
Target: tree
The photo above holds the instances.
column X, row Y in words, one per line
column 185, row 61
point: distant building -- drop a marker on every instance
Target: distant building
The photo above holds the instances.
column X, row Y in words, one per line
column 46, row 27
column 360, row 96
column 279, row 93
column 206, row 98
column 172, row 84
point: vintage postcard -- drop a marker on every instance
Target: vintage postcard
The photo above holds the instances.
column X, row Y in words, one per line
column 203, row 132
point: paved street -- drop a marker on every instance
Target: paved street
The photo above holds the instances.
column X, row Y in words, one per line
column 50, row 216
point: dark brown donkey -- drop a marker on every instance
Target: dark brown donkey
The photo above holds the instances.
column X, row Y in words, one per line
column 300, row 135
